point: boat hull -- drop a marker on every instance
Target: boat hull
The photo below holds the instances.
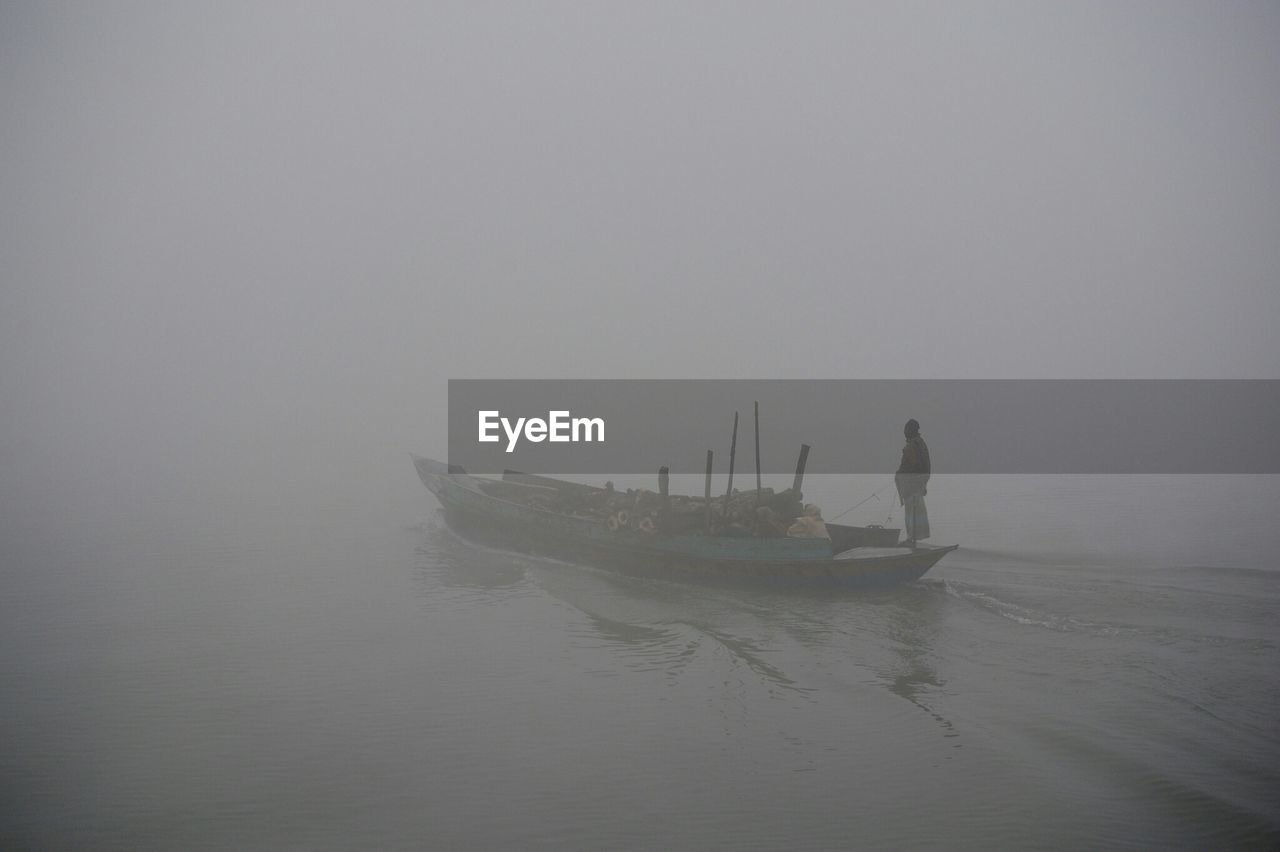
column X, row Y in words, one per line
column 701, row 559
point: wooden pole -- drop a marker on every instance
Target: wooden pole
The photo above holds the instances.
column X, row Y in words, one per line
column 733, row 449
column 708, row 492
column 804, row 457
column 757, row 453
column 664, row 488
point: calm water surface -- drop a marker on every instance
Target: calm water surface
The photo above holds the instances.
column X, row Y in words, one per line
column 1096, row 667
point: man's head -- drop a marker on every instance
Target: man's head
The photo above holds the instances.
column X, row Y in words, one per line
column 912, row 428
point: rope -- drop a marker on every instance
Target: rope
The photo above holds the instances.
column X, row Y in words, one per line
column 856, row 505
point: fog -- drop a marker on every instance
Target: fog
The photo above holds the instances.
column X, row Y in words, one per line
column 244, row 246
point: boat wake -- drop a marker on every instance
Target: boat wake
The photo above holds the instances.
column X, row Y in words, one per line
column 1020, row 613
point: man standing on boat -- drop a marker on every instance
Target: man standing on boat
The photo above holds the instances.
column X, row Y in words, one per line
column 911, row 479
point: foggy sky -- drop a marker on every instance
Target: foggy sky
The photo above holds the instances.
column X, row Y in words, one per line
column 244, row 245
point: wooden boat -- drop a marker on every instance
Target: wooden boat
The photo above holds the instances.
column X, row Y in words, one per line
column 496, row 512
